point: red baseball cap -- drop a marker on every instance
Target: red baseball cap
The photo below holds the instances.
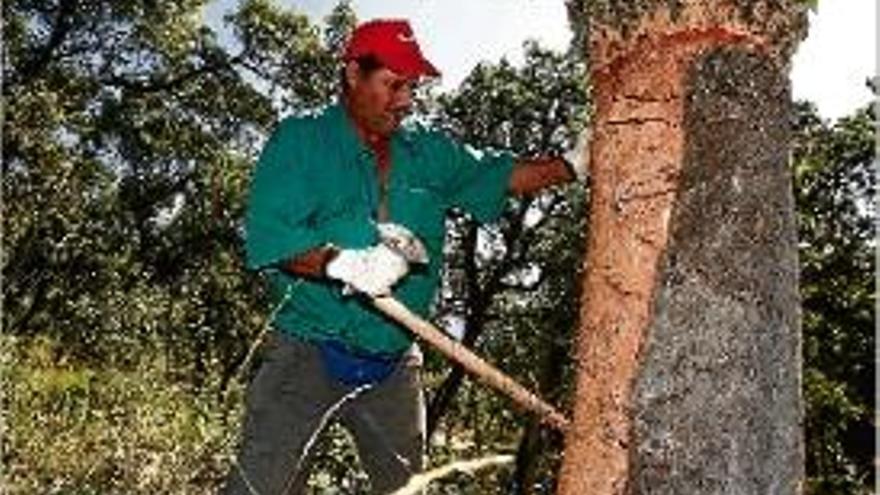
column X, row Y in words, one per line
column 392, row 42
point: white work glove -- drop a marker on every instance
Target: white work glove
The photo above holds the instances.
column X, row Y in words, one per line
column 371, row 271
column 578, row 158
column 402, row 240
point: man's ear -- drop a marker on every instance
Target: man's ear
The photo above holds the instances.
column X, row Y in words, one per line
column 352, row 74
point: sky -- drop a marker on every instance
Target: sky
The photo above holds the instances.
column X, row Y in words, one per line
column 830, row 67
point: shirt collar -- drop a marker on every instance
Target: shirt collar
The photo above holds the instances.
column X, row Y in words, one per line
column 339, row 121
column 342, row 128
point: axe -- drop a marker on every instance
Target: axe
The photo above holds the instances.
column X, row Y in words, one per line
column 412, row 249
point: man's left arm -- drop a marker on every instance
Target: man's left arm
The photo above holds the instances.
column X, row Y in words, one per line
column 480, row 181
column 531, row 175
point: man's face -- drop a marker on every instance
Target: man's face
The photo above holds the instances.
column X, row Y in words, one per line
column 379, row 100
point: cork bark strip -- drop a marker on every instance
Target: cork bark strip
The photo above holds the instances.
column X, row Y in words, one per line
column 637, row 155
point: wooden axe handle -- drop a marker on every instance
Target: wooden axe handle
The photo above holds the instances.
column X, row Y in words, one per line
column 472, row 363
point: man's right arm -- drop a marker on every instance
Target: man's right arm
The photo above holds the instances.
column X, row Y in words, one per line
column 312, row 263
column 373, row 270
column 280, row 206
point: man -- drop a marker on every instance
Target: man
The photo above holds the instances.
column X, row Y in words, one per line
column 333, row 198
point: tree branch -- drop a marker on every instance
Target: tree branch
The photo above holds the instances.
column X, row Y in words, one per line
column 153, row 85
column 36, row 64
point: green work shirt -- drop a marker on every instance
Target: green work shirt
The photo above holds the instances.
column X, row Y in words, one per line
column 317, row 183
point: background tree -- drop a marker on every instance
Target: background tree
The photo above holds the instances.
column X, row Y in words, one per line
column 835, row 188
column 108, row 135
column 129, row 134
column 503, row 283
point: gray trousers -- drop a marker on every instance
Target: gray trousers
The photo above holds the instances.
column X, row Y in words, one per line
column 291, row 400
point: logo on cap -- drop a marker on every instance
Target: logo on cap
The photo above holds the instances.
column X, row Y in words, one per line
column 391, row 41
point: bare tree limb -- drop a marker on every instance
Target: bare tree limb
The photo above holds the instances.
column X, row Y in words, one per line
column 421, row 481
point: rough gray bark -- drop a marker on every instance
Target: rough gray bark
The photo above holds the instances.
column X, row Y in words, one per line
column 717, row 401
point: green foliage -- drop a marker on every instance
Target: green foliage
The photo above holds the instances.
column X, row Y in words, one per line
column 286, row 51
column 76, row 429
column 538, row 108
column 835, row 188
column 508, row 291
column 129, row 136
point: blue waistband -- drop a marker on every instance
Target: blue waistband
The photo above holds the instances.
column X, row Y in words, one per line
column 354, row 367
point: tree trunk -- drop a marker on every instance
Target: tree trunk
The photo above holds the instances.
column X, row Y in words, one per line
column 689, row 345
column 537, row 438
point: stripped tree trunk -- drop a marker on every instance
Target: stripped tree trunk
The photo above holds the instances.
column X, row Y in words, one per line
column 689, row 344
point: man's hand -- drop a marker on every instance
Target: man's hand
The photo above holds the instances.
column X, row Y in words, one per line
column 371, row 271
column 578, row 158
column 534, row 174
column 374, row 271
column 402, row 240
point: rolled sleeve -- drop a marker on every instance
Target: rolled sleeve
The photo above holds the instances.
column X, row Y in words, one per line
column 280, row 211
